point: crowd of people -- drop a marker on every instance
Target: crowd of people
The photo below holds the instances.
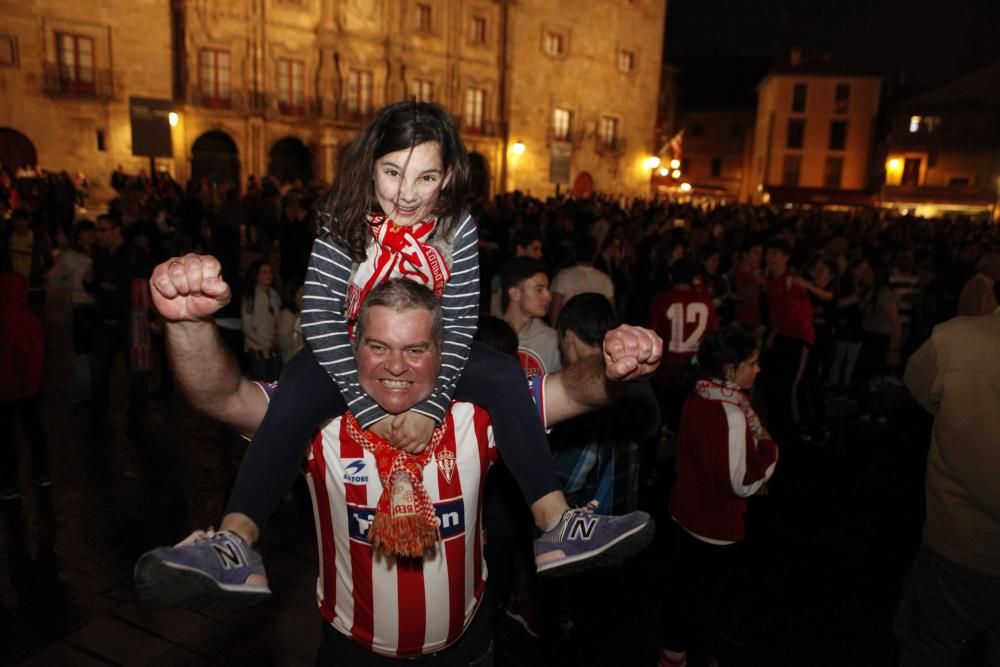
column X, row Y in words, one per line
column 826, row 305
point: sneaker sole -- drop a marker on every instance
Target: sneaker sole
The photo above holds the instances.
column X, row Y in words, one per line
column 164, row 584
column 627, row 545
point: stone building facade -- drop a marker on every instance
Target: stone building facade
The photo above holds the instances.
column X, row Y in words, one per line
column 280, row 86
column 814, row 135
column 67, row 70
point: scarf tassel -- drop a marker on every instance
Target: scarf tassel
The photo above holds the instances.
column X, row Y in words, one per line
column 407, row 527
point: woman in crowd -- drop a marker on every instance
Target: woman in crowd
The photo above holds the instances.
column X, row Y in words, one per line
column 724, row 456
column 261, row 305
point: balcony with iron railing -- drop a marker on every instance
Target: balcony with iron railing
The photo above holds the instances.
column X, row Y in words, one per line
column 480, row 127
column 230, row 99
column 573, row 137
column 616, row 146
column 84, row 83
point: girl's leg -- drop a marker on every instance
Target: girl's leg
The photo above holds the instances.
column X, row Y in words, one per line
column 496, row 382
column 306, row 397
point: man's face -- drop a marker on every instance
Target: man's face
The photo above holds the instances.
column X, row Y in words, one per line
column 107, row 234
column 534, row 295
column 532, row 250
column 398, row 362
column 777, row 261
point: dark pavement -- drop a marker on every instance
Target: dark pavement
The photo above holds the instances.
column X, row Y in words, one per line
column 825, row 557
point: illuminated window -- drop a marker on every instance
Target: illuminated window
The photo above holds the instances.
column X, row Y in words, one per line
column 914, row 124
column 213, row 69
column 423, row 90
column 561, row 119
column 554, row 44
column 790, row 170
column 799, row 93
column 423, row 17
column 477, row 30
column 359, row 91
column 838, row 135
column 76, row 63
column 841, row 98
column 291, row 78
column 475, row 104
column 832, row 172
column 8, row 50
column 796, row 133
column 626, row 61
column 607, row 131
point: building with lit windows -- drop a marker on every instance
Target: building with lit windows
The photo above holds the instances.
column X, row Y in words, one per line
column 280, row 86
column 944, row 148
column 814, row 136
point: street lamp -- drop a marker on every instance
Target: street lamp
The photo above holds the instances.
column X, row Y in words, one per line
column 676, row 173
column 675, row 164
column 517, row 148
column 685, row 187
column 173, row 118
column 652, row 162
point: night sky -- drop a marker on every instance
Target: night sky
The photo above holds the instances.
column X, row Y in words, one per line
column 724, row 47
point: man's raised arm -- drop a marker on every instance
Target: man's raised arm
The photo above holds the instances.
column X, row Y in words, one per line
column 187, row 291
column 629, row 353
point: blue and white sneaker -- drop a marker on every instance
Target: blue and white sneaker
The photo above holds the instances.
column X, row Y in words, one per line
column 583, row 540
column 208, row 570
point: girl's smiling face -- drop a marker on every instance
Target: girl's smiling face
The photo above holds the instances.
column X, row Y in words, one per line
column 409, row 182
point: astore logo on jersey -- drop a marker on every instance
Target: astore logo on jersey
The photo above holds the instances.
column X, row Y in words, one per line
column 352, row 472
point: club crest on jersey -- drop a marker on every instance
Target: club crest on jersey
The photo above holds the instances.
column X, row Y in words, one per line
column 445, row 462
column 352, row 472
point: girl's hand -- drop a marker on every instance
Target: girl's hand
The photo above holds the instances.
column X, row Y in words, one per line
column 409, row 431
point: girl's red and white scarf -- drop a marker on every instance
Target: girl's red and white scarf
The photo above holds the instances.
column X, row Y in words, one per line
column 405, row 523
column 397, row 252
column 723, row 390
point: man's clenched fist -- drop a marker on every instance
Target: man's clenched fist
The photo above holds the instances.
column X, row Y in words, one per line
column 189, row 288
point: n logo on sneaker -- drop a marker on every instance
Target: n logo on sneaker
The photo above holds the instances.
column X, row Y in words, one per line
column 582, row 528
column 229, row 555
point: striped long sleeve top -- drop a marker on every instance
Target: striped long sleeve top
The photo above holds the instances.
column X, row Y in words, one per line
column 326, row 328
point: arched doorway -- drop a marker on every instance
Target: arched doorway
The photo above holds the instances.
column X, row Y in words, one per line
column 214, row 156
column 479, row 176
column 583, row 185
column 290, row 159
column 16, row 151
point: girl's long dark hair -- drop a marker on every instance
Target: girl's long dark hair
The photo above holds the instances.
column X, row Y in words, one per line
column 343, row 210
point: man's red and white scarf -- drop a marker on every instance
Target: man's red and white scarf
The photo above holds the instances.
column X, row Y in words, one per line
column 397, row 252
column 405, row 523
column 729, row 392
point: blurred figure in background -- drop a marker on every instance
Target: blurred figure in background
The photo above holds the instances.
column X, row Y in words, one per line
column 22, row 352
column 70, row 269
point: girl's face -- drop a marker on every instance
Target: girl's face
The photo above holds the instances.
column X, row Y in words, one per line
column 744, row 373
column 265, row 277
column 409, row 182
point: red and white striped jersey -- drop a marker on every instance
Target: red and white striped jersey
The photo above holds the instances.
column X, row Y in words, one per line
column 401, row 607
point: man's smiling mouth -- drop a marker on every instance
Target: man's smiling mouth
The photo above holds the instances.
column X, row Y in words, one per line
column 395, row 384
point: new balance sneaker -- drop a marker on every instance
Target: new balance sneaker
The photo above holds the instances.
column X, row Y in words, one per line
column 208, row 570
column 583, row 540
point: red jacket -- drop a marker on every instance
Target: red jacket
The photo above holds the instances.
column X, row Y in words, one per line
column 790, row 309
column 22, row 340
column 718, row 467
